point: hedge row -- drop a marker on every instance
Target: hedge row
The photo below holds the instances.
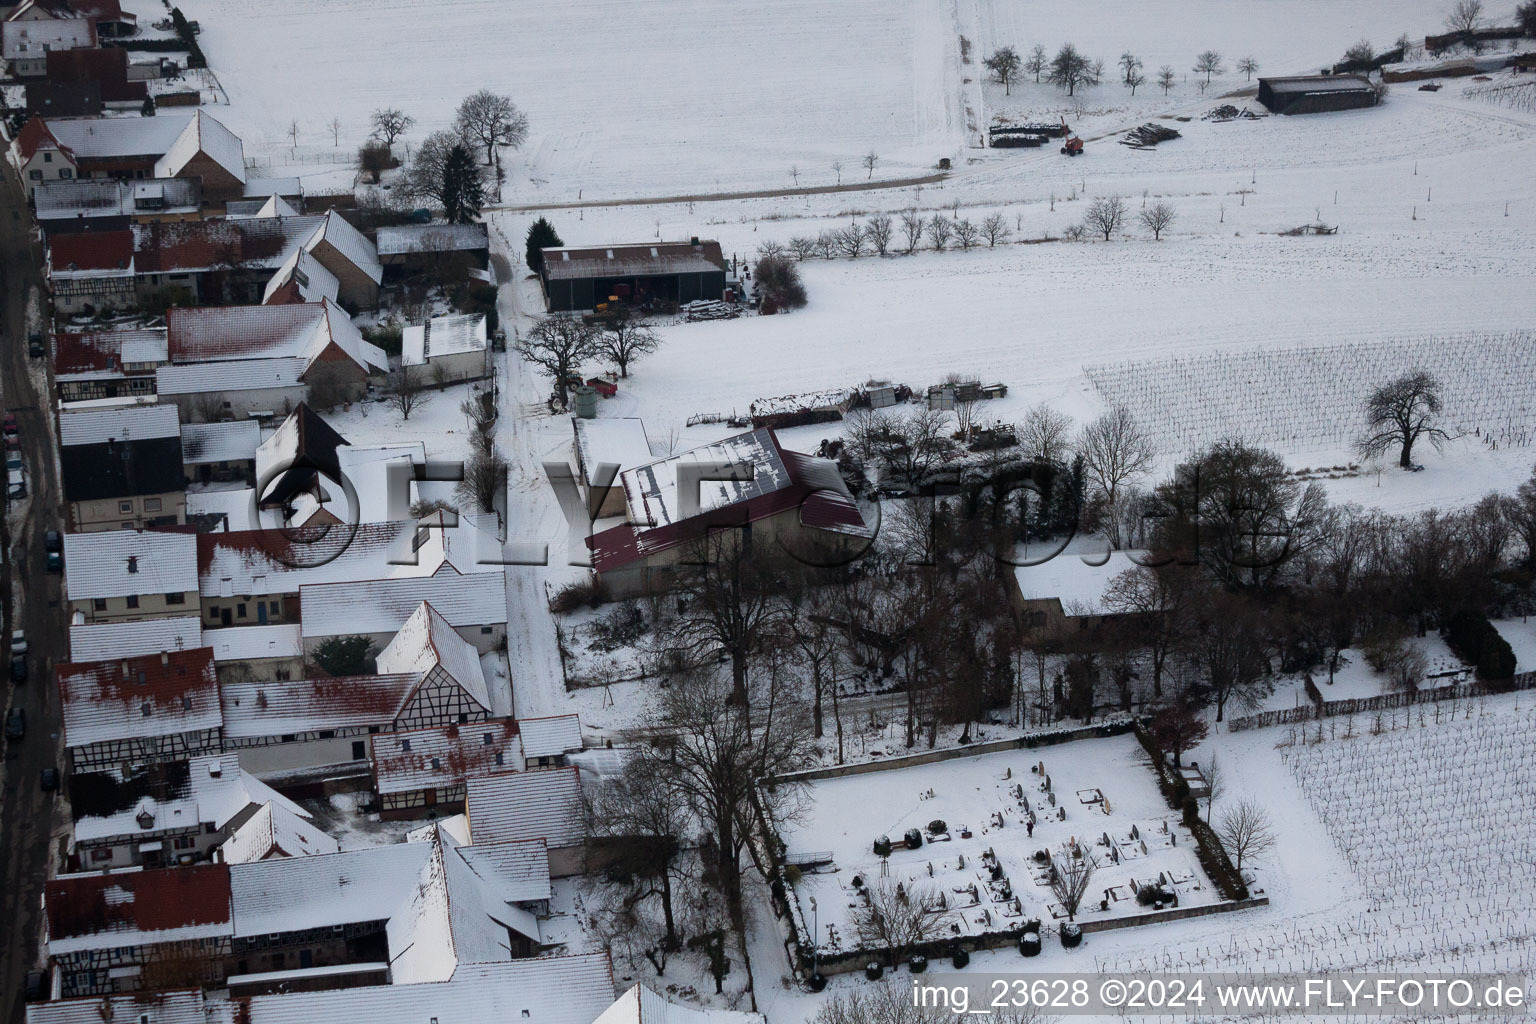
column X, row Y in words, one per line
column 1473, row 637
column 195, row 58
column 1212, row 855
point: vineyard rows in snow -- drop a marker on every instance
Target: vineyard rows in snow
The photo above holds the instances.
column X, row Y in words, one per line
column 1310, row 399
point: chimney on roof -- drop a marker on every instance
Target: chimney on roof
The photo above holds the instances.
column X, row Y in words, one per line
column 133, row 563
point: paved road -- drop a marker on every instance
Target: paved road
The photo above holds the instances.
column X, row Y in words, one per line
column 26, row 813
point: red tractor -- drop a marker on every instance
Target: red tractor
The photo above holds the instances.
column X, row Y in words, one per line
column 1071, row 145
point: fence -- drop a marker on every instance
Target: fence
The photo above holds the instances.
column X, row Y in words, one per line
column 1382, row 702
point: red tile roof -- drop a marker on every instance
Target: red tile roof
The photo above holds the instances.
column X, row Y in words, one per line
column 32, row 137
column 197, row 334
column 95, row 250
column 157, row 695
column 139, row 901
column 205, row 245
column 442, row 756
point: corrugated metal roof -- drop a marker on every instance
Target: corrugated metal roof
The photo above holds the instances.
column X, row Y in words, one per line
column 514, row 806
column 219, row 442
column 129, row 423
column 545, row 990
column 643, row 260
column 551, row 736
column 97, row 641
column 1318, row 83
column 230, row 375
column 413, row 238
column 149, row 695
column 151, row 1008
column 116, row 563
column 314, row 892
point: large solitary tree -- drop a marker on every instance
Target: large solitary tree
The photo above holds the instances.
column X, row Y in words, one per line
column 558, row 345
column 1400, row 413
column 491, row 120
column 626, row 339
column 1070, row 69
column 389, row 124
column 1209, row 63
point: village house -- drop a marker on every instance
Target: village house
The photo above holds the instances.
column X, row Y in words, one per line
column 88, row 205
column 96, row 365
column 108, row 17
column 119, row 575
column 25, row 44
column 245, row 654
column 122, row 468
column 39, row 157
column 547, row 740
column 448, row 349
column 444, row 252
column 773, row 495
column 422, row 772
column 208, row 802
column 169, row 145
column 509, row 807
column 104, row 69
column 125, row 714
column 215, row 262
column 91, row 273
column 230, row 362
column 103, row 641
column 619, row 443
column 1064, row 595
column 220, row 452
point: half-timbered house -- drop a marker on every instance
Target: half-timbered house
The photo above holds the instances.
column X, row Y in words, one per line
column 120, row 716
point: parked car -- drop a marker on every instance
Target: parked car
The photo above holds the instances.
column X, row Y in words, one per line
column 16, row 483
column 18, row 668
column 54, row 561
column 48, row 779
column 13, row 460
column 35, row 347
column 18, row 641
column 37, row 986
column 9, row 425
column 53, row 540
column 16, row 724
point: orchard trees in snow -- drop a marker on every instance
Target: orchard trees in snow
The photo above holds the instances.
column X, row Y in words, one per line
column 1166, row 77
column 1005, row 65
column 1157, row 217
column 1037, row 62
column 1105, row 216
column 1209, row 63
column 1248, row 66
column 1070, row 69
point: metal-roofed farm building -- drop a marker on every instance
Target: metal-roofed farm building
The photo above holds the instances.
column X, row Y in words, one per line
column 1314, row 94
column 581, row 279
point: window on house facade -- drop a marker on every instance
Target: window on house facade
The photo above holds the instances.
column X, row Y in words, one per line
column 272, row 607
column 175, row 598
column 289, row 738
column 185, row 842
column 99, row 604
column 125, row 506
column 35, row 175
column 405, row 745
column 101, row 853
column 240, row 611
column 359, row 750
column 485, row 630
column 133, row 600
column 151, row 504
column 327, row 734
column 47, row 158
column 463, row 718
column 65, row 173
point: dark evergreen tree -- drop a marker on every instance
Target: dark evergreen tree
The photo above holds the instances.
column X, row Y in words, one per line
column 463, row 187
column 542, row 235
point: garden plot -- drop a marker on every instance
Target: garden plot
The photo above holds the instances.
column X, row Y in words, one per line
column 982, row 863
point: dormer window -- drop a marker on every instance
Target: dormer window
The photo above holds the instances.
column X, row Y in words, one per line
column 145, row 820
column 133, row 563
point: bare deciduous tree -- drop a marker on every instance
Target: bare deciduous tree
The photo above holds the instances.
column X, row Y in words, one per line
column 492, row 121
column 1115, row 449
column 626, row 339
column 407, row 390
column 1036, row 62
column 1129, row 62
column 1208, row 63
column 1135, row 80
column 1157, row 217
column 870, row 160
column 940, row 228
column 485, row 479
column 1465, row 16
column 912, row 224
column 1105, row 216
column 851, row 240
column 1400, row 413
column 837, row 168
column 558, row 345
column 966, row 232
column 1070, row 69
column 1005, row 65
column 802, row 247
column 1246, row 831
column 1071, row 874
column 1248, row 66
column 734, row 608
column 1166, row 78
column 995, row 229
column 880, row 229
column 389, row 124
column 645, row 817
column 1045, row 434
column 334, row 124
column 899, row 916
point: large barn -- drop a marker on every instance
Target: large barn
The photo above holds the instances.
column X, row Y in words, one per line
column 580, row 279
column 1315, row 94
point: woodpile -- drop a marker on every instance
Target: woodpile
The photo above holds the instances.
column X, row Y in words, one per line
column 1227, row 112
column 1148, row 135
column 710, row 309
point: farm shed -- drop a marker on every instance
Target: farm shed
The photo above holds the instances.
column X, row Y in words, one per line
column 619, row 442
column 447, row 250
column 580, row 279
column 452, row 348
column 1316, row 94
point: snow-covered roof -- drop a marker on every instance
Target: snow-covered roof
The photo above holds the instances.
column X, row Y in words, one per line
column 108, row 137
column 127, row 423
column 231, row 375
column 277, row 829
column 1077, row 583
column 426, row 640
column 223, row 441
column 289, row 706
column 209, row 137
column 414, row 238
column 442, row 336
column 1317, row 83
column 382, row 606
column 352, row 887
column 442, row 756
column 551, row 736
column 252, row 643
column 116, row 563
column 150, row 695
column 640, row 1005
column 98, row 641
column 137, row 908
column 521, row 869
column 640, row 260
column 513, row 806
column 543, row 990
column 350, row 242
column 652, row 490
column 619, row 441
column 179, row 1007
column 31, row 40
column 277, row 332
column 314, row 282
column 261, row 187
column 481, row 910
